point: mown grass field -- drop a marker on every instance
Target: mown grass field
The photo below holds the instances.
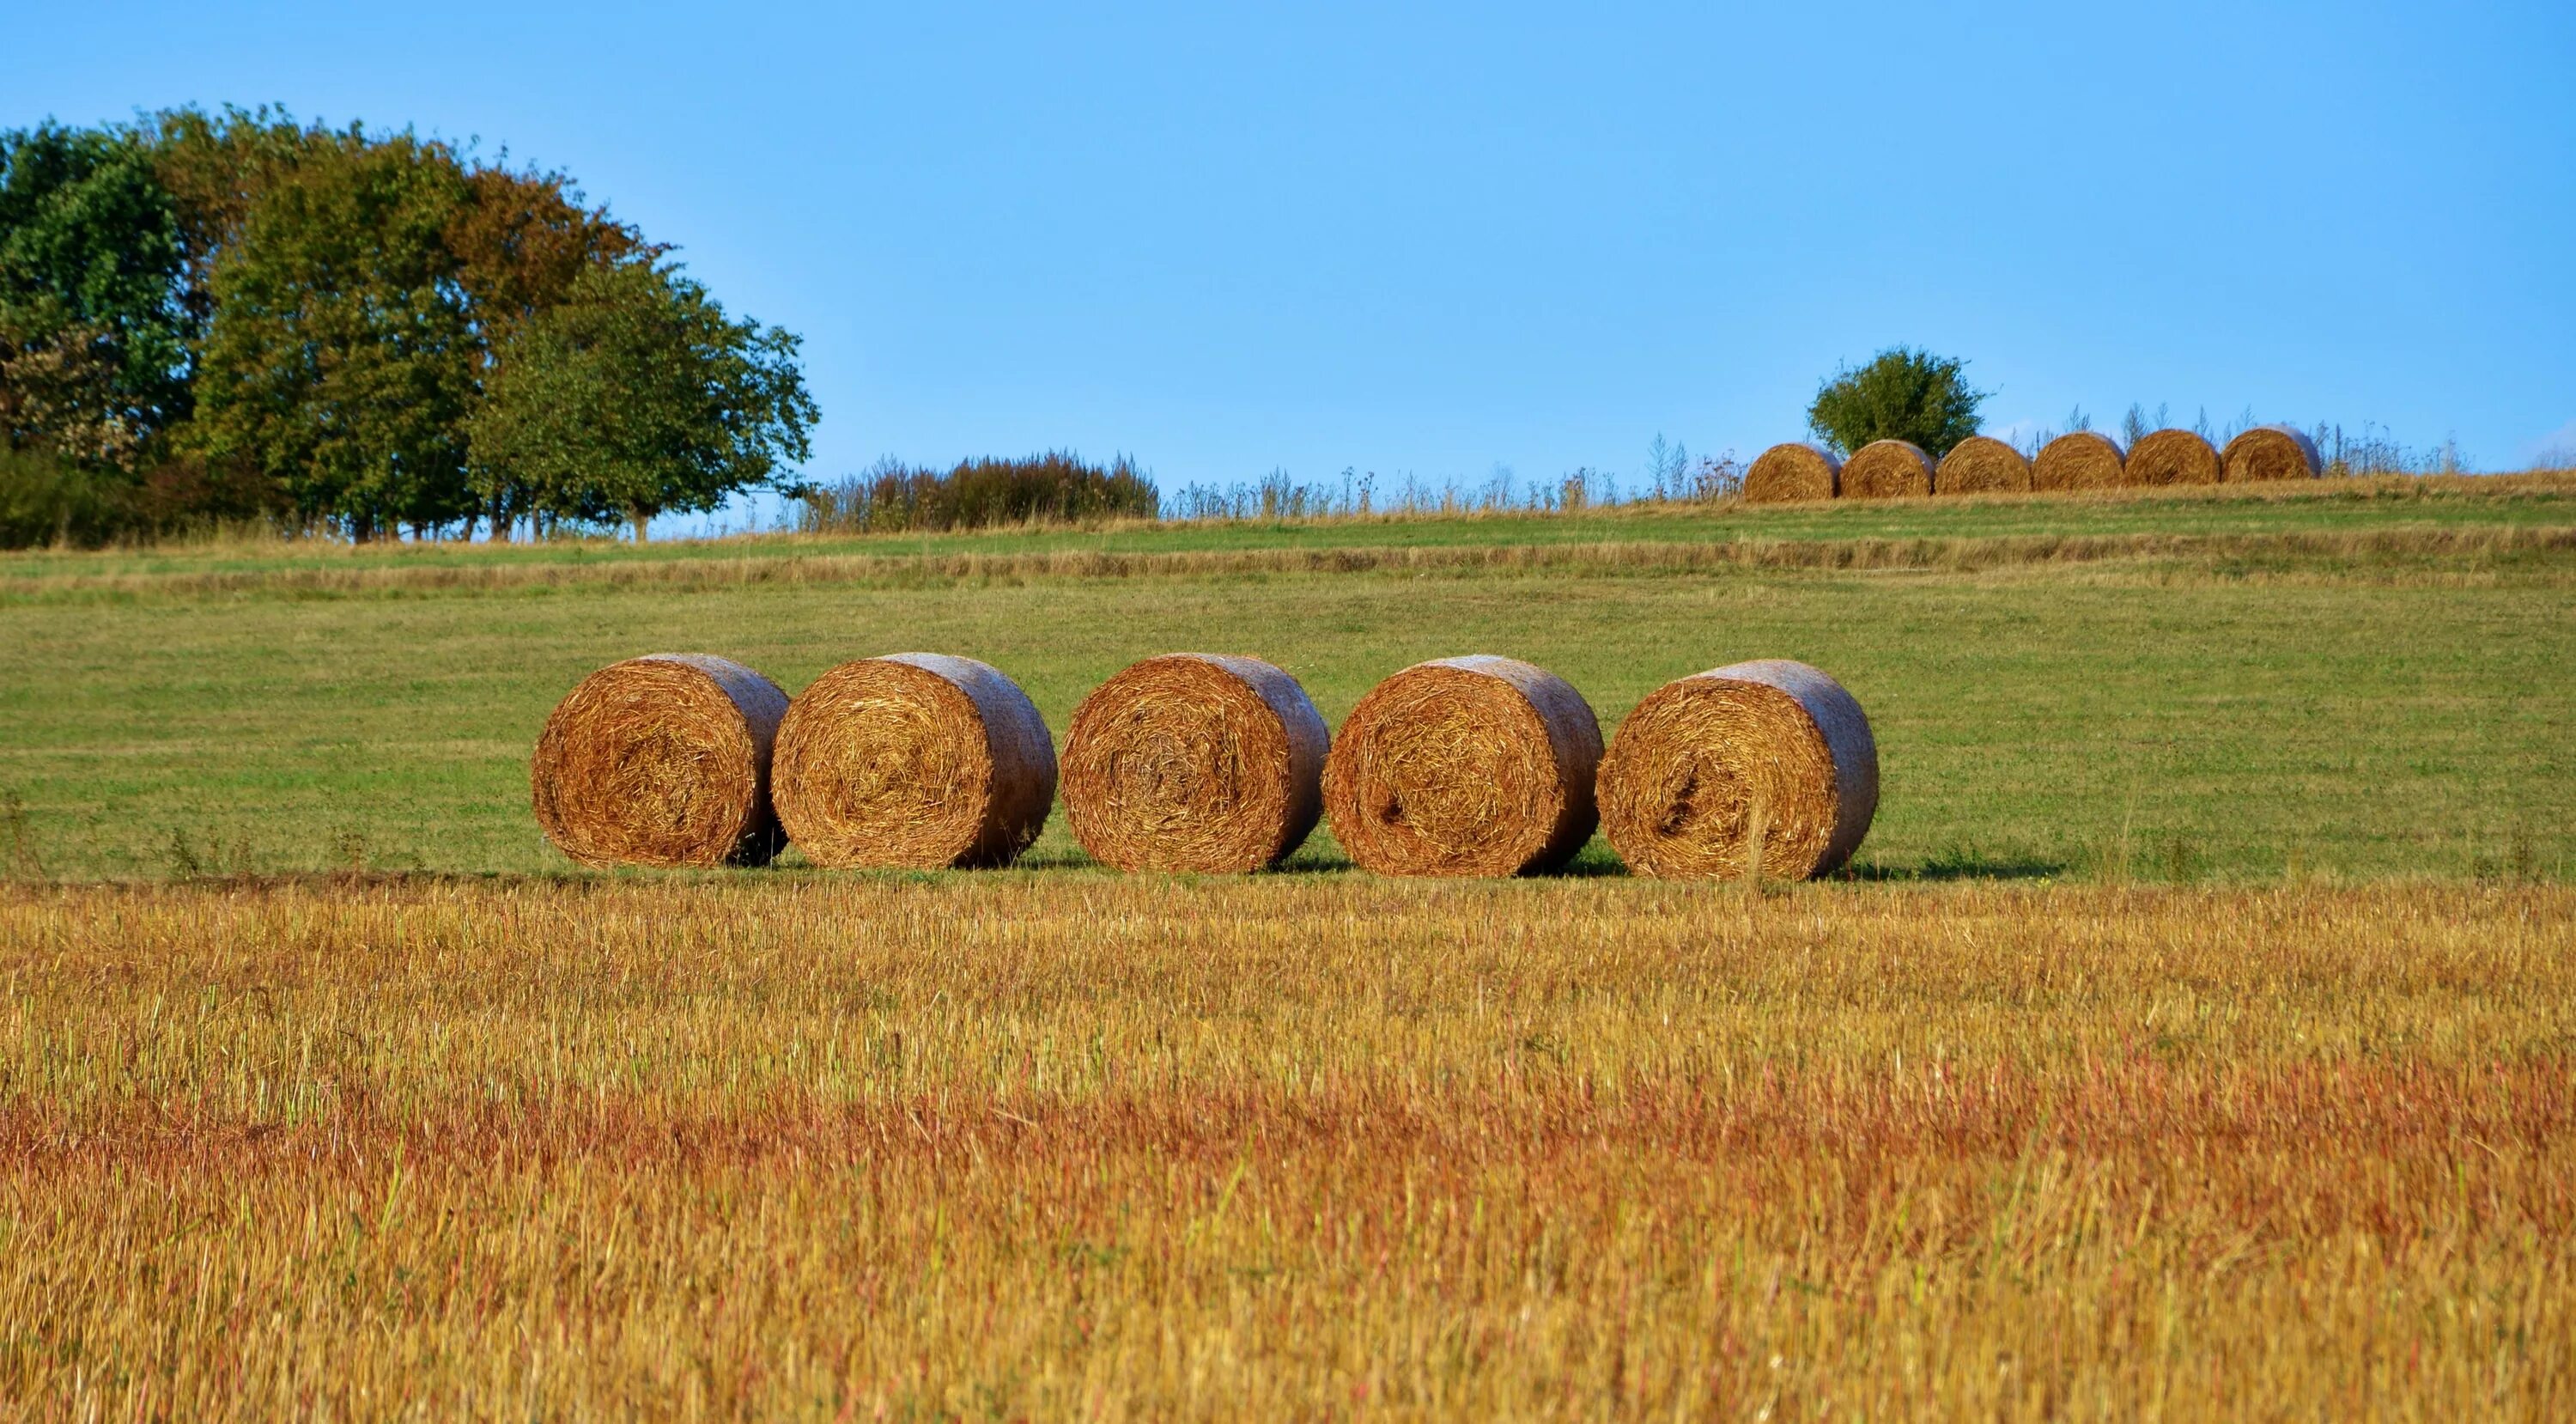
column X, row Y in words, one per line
column 2193, row 1040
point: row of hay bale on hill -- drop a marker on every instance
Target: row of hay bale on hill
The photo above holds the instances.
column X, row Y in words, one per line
column 1470, row 766
column 1981, row 464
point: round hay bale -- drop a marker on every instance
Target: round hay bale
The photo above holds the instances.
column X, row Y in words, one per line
column 1195, row 762
column 1982, row 464
column 2078, row 460
column 1465, row 766
column 1795, row 470
column 661, row 760
column 2270, row 452
column 1764, row 767
column 919, row 761
column 1887, row 469
column 2172, row 457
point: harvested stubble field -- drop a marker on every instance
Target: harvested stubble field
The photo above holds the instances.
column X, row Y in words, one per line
column 1018, row 1146
column 2194, row 1040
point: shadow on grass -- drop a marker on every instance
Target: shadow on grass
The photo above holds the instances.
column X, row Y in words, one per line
column 1955, row 865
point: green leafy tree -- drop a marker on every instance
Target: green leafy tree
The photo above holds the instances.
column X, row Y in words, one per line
column 637, row 396
column 1902, row 394
column 94, row 345
column 340, row 359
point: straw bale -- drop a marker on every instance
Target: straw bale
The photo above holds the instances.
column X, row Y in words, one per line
column 1465, row 766
column 917, row 760
column 661, row 760
column 1982, row 464
column 2079, row 460
column 1761, row 767
column 2270, row 452
column 1195, row 762
column 2172, row 457
column 1887, row 469
column 1794, row 470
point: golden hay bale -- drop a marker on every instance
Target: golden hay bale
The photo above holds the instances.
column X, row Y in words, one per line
column 1887, row 469
column 1465, row 766
column 2172, row 457
column 918, row 760
column 661, row 760
column 1795, row 470
column 2270, row 452
column 1982, row 464
column 1195, row 762
column 1765, row 767
column 2078, row 460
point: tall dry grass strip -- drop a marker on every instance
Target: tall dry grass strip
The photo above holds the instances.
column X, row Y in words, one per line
column 1793, row 470
column 1887, row 469
column 1465, row 766
column 661, row 760
column 2270, row 452
column 1982, row 464
column 2172, row 457
column 918, row 760
column 2079, row 460
column 1195, row 762
column 1758, row 768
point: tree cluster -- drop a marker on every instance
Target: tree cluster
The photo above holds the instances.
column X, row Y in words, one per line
column 1902, row 394
column 208, row 316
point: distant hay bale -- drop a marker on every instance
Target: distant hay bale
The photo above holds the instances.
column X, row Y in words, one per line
column 661, row 760
column 2270, row 452
column 919, row 761
column 1982, row 464
column 1887, row 469
column 1195, row 762
column 2172, row 457
column 1790, row 471
column 1465, row 766
column 1761, row 766
column 2078, row 460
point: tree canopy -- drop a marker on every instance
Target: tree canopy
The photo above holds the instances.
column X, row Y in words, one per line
column 1902, row 394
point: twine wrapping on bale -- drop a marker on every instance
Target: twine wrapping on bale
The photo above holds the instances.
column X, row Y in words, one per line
column 919, row 761
column 2270, row 452
column 1764, row 768
column 1465, row 766
column 2172, row 457
column 1195, row 762
column 1982, row 464
column 1887, row 469
column 661, row 760
column 1795, row 470
column 2078, row 460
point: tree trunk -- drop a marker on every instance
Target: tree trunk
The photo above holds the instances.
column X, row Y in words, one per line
column 641, row 518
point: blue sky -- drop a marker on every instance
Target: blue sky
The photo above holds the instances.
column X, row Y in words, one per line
column 1432, row 240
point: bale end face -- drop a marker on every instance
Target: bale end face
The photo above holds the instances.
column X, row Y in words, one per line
column 1982, row 464
column 1474, row 766
column 1792, row 471
column 663, row 761
column 2172, row 457
column 2269, row 452
column 915, row 761
column 2078, row 460
column 1887, row 469
column 1762, row 768
column 1195, row 762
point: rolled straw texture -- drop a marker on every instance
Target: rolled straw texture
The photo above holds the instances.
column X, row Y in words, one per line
column 1770, row 759
column 1887, row 469
column 2172, row 457
column 1794, row 470
column 661, row 760
column 2078, row 460
column 1465, row 766
column 918, row 760
column 2270, row 452
column 1982, row 464
column 1195, row 762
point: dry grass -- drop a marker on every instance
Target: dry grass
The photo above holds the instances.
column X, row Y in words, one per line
column 1007, row 1147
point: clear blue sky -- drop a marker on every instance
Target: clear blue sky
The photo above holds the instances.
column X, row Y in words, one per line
column 1310, row 236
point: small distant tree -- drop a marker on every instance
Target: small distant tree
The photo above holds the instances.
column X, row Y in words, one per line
column 1902, row 394
column 636, row 396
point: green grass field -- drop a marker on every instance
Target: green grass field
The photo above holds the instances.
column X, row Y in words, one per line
column 2367, row 681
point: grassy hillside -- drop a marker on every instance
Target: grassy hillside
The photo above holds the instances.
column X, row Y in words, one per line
column 2364, row 682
